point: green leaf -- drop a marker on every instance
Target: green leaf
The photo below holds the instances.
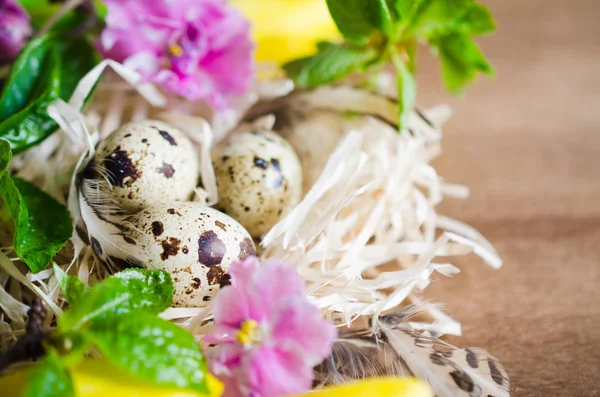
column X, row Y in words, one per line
column 429, row 17
column 79, row 57
column 23, row 76
column 151, row 283
column 382, row 16
column 407, row 9
column 32, row 124
column 333, row 63
column 101, row 9
column 48, row 68
column 352, row 19
column 50, row 379
column 357, row 20
column 45, row 230
column 42, row 225
column 461, row 61
column 40, row 10
column 407, row 92
column 152, row 349
column 72, row 286
column 133, row 290
column 323, row 45
column 5, row 155
column 477, row 20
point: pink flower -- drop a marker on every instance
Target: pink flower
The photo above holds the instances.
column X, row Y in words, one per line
column 15, row 30
column 268, row 336
column 199, row 49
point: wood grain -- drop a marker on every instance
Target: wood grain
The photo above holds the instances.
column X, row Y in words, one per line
column 528, row 144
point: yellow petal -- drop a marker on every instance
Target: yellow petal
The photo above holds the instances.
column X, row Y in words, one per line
column 383, row 387
column 287, row 29
column 97, row 378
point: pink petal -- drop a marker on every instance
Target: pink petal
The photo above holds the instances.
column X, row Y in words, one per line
column 144, row 62
column 242, row 272
column 216, row 64
column 275, row 373
column 222, row 334
column 282, row 281
column 244, row 299
column 232, row 387
column 232, row 307
column 129, row 13
column 224, row 363
column 112, row 46
column 299, row 328
column 223, row 360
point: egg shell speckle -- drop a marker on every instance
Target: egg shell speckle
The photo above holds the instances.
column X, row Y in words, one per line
column 259, row 179
column 147, row 162
column 194, row 243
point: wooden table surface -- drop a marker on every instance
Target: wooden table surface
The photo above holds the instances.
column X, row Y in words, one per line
column 528, row 144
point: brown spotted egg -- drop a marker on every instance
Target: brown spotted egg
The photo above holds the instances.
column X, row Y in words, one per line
column 194, row 243
column 259, row 179
column 147, row 162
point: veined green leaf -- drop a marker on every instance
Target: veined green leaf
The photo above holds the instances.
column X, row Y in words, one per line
column 134, row 290
column 461, row 61
column 152, row 283
column 42, row 225
column 334, row 62
column 72, row 286
column 152, row 349
column 50, row 379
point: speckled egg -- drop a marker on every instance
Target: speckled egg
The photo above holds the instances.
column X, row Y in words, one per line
column 259, row 179
column 147, row 162
column 315, row 135
column 194, row 243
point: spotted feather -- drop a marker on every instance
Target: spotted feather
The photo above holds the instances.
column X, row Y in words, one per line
column 104, row 224
column 392, row 348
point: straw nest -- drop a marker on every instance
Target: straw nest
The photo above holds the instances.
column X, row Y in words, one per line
column 366, row 237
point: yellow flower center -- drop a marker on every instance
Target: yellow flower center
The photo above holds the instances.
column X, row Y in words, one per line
column 176, row 50
column 249, row 333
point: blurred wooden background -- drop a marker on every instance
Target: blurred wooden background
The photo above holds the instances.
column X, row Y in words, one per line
column 528, row 144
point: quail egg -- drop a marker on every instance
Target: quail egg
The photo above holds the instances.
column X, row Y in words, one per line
column 194, row 243
column 259, row 179
column 315, row 135
column 146, row 163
